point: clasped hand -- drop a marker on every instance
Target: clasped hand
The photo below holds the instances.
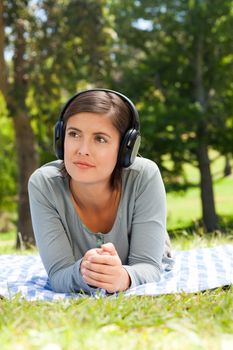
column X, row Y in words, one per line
column 102, row 268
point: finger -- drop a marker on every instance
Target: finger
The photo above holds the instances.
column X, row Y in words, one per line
column 91, row 252
column 99, row 268
column 98, row 284
column 105, row 260
column 104, row 253
column 97, row 276
column 109, row 247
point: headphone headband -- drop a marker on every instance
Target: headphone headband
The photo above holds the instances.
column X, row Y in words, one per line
column 136, row 123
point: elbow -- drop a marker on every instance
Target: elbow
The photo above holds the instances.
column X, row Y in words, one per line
column 55, row 285
column 60, row 281
column 153, row 273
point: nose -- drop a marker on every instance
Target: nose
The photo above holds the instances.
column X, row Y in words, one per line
column 83, row 147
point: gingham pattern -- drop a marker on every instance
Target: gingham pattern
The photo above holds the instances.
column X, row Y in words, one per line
column 194, row 270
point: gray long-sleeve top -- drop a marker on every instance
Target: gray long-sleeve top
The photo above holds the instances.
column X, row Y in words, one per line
column 138, row 233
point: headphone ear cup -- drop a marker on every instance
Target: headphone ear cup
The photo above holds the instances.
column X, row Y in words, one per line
column 129, row 148
column 59, row 139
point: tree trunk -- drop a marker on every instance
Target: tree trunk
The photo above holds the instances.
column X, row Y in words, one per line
column 27, row 163
column 227, row 167
column 3, row 70
column 15, row 94
column 209, row 216
column 24, row 138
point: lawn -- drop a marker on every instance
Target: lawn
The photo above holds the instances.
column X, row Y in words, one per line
column 181, row 321
column 184, row 321
column 184, row 208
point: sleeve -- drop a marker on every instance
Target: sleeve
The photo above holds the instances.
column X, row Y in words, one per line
column 148, row 233
column 52, row 240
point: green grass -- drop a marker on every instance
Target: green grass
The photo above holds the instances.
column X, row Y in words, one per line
column 182, row 321
column 184, row 209
column 8, row 244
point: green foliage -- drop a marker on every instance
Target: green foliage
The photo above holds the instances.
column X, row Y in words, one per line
column 146, row 49
column 8, row 169
column 160, row 41
column 68, row 50
column 176, row 60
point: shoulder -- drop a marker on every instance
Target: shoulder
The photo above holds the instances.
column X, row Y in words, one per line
column 46, row 173
column 142, row 167
column 48, row 185
column 143, row 177
column 142, row 173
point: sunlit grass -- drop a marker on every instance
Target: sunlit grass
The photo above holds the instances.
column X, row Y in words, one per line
column 184, row 208
column 182, row 321
column 8, row 245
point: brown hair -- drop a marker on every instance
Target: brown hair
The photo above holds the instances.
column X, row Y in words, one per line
column 102, row 102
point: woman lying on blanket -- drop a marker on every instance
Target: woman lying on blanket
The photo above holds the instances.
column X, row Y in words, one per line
column 99, row 212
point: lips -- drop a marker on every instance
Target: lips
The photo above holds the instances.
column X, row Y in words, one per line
column 83, row 164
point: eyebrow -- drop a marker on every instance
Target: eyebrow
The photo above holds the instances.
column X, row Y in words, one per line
column 95, row 133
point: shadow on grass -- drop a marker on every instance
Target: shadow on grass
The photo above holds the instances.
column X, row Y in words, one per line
column 197, row 228
column 180, row 188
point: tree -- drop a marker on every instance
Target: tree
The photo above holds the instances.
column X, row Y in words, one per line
column 14, row 88
column 181, row 58
column 8, row 169
column 58, row 47
column 70, row 47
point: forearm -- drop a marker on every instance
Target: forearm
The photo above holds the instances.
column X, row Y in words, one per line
column 143, row 273
column 70, row 280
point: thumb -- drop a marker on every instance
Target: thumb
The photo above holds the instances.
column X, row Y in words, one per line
column 109, row 247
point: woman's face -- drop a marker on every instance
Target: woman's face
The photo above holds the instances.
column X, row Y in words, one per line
column 90, row 148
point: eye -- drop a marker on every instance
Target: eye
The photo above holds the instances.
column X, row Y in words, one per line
column 100, row 139
column 73, row 134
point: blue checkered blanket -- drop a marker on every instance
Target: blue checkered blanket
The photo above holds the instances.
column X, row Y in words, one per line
column 194, row 270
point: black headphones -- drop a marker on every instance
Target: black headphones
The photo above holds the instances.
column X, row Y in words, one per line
column 130, row 142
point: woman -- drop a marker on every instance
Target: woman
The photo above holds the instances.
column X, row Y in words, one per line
column 99, row 212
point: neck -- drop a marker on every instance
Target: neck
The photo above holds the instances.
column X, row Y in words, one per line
column 93, row 197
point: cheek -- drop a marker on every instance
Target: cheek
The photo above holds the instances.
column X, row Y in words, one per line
column 68, row 147
column 65, row 143
column 111, row 157
column 68, row 152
